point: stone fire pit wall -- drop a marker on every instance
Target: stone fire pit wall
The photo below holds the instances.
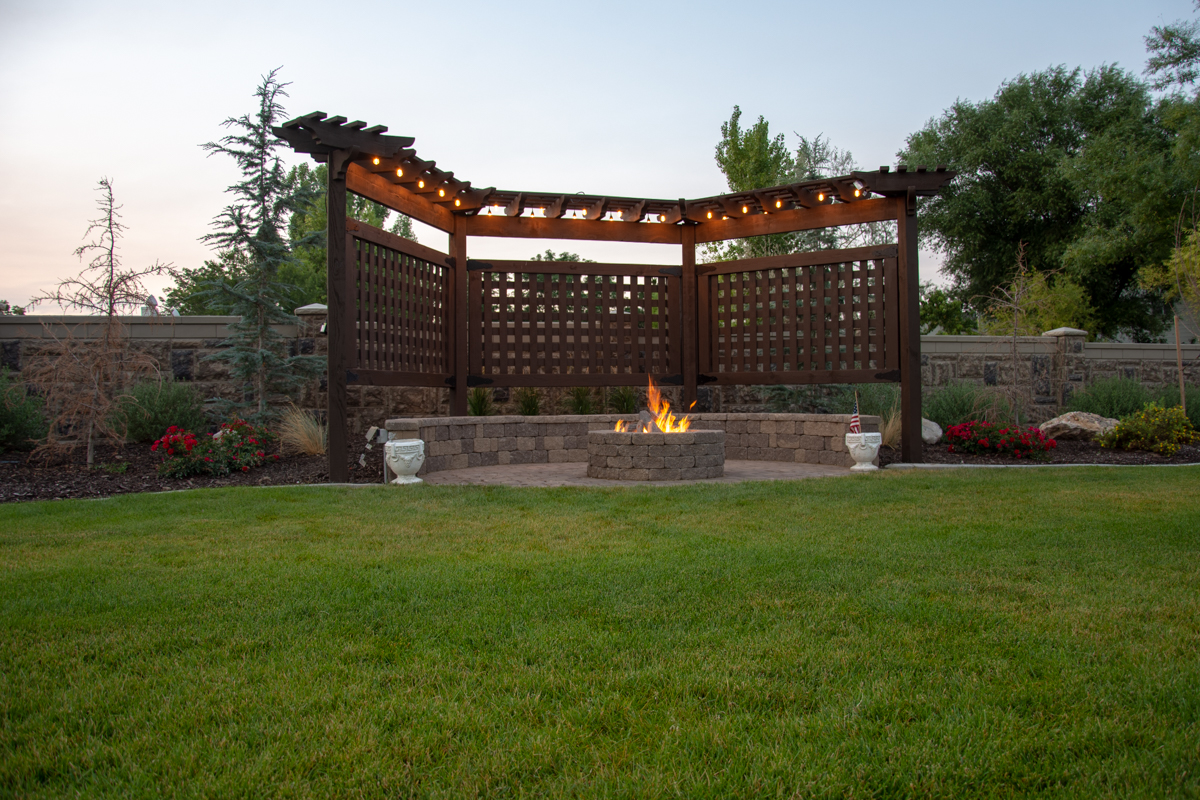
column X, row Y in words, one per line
column 461, row 442
column 656, row 456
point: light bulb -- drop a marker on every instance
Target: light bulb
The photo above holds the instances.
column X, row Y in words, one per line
column 857, row 192
column 420, row 184
column 457, row 202
column 745, row 210
column 710, row 215
column 821, row 197
column 399, row 172
column 375, row 161
column 441, row 192
column 779, row 204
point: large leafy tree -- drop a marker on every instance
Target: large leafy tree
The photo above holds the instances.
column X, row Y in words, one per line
column 1078, row 167
column 751, row 158
column 249, row 232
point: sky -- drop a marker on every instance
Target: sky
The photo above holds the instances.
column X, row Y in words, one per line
column 617, row 98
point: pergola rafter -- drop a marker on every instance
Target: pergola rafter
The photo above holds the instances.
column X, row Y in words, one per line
column 403, row 314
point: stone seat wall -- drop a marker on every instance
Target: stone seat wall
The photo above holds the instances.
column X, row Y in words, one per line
column 462, row 442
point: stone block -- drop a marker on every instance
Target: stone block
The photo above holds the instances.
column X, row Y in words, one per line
column 715, row 472
column 604, row 449
column 633, row 450
column 709, row 461
column 664, row 475
column 836, row 443
column 559, row 456
column 753, row 426
column 833, row 459
column 574, row 442
column 525, row 429
column 693, row 474
column 788, row 440
column 597, row 461
column 460, row 461
column 506, row 443
column 708, row 437
column 504, row 457
column 441, row 433
column 635, row 474
column 600, row 472
column 473, row 460
column 679, row 462
column 491, row 430
column 735, row 426
column 757, row 440
column 668, row 450
column 647, row 439
column 576, row 456
column 553, row 442
column 824, row 428
column 484, row 445
column 489, row 459
column 649, row 462
column 768, row 426
column 620, row 462
column 735, row 453
column 811, row 442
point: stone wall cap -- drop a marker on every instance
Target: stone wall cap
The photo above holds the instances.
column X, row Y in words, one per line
column 1065, row 332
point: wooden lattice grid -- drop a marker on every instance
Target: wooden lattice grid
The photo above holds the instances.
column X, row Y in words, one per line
column 590, row 321
column 797, row 317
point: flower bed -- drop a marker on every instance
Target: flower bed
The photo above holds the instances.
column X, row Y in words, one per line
column 237, row 446
column 984, row 438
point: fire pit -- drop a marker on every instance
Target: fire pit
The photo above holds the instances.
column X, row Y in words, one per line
column 625, row 456
column 657, row 447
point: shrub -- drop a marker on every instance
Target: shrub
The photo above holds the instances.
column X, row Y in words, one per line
column 303, row 432
column 152, row 407
column 22, row 420
column 529, row 401
column 1169, row 396
column 624, row 400
column 983, row 438
column 962, row 402
column 1154, row 428
column 580, row 401
column 479, row 402
column 1111, row 397
column 237, row 447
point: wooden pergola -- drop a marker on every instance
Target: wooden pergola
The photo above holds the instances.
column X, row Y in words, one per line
column 402, row 314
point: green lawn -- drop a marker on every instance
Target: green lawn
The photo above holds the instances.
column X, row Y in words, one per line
column 959, row 633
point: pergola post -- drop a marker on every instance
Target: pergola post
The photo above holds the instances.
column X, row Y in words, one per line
column 339, row 316
column 908, row 274
column 690, row 315
column 458, row 342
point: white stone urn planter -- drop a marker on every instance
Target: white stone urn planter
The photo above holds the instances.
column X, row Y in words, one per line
column 404, row 459
column 863, row 448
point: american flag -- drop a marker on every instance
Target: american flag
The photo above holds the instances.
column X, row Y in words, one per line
column 855, row 423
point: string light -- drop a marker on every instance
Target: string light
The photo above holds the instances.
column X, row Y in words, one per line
column 858, row 192
column 420, row 184
column 710, row 215
column 375, row 161
column 399, row 172
column 745, row 210
column 457, row 202
column 441, row 192
column 779, row 204
column 821, row 197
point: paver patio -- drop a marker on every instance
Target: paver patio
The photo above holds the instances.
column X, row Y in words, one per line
column 575, row 474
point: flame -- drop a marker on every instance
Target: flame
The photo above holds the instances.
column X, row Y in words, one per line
column 663, row 418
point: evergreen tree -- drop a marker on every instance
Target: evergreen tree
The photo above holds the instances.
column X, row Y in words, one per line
column 250, row 232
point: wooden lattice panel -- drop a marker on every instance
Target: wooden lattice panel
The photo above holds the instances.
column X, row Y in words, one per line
column 820, row 313
column 400, row 295
column 578, row 320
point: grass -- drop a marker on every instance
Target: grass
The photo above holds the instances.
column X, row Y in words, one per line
column 987, row 633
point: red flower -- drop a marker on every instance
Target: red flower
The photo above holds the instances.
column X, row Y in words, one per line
column 245, row 469
column 277, row 456
column 259, row 453
column 153, row 447
column 170, row 451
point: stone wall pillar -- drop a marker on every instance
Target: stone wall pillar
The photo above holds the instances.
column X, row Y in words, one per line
column 1069, row 371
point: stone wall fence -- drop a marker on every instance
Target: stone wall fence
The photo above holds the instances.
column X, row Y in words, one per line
column 1048, row 368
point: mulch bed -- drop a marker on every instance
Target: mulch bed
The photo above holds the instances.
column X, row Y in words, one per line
column 133, row 468
column 1066, row 452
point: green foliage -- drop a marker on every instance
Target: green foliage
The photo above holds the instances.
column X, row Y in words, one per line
column 9, row 310
column 529, row 401
column 250, row 229
column 150, row 407
column 1047, row 302
column 550, row 255
column 192, row 293
column 941, row 311
column 624, row 400
column 479, row 402
column 1078, row 166
column 962, row 402
column 22, row 416
column 1175, row 59
column 1154, row 428
column 1168, row 396
column 1110, row 397
column 580, row 400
